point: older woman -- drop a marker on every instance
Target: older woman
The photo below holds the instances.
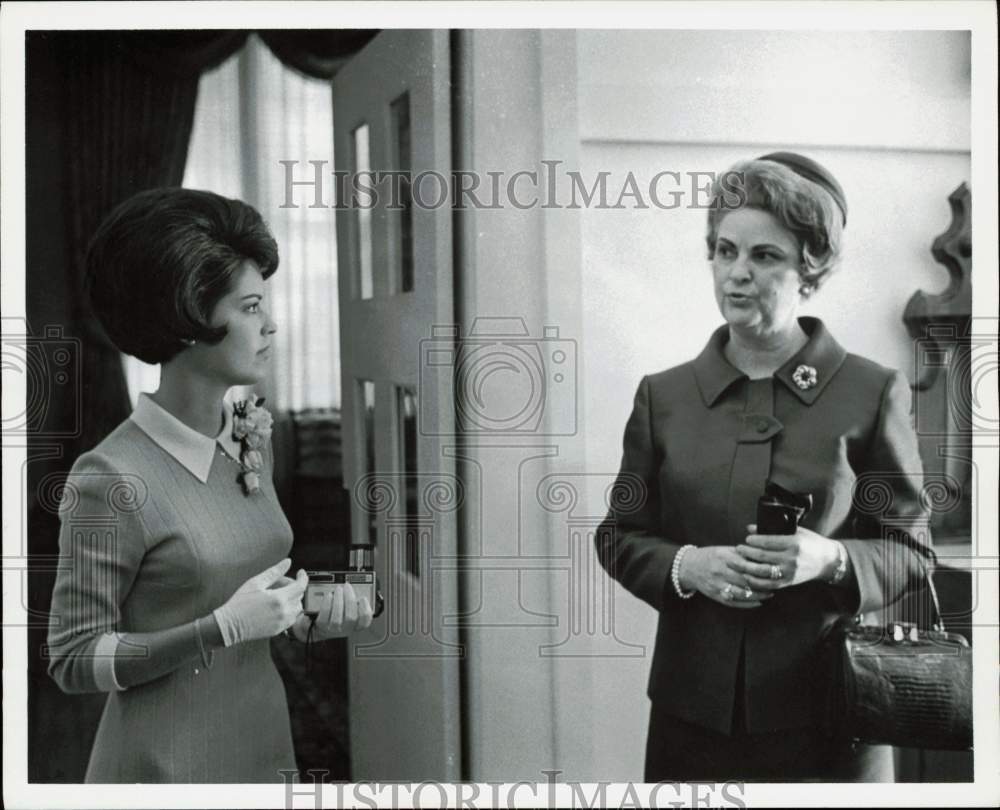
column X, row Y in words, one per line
column 736, row 684
column 176, row 544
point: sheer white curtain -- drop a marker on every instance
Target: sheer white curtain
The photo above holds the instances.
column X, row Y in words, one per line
column 253, row 112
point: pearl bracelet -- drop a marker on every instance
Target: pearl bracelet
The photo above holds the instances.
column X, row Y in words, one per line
column 675, row 573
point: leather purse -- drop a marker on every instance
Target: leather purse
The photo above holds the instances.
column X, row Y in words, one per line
column 900, row 685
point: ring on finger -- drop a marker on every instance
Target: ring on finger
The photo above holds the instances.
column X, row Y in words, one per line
column 747, row 594
column 727, row 593
column 776, row 572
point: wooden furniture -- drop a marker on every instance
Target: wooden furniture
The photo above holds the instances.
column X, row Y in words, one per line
column 944, row 414
column 941, row 327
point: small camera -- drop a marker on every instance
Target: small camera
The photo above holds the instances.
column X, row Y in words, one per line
column 779, row 510
column 360, row 574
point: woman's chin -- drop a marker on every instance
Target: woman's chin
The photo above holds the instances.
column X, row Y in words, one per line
column 741, row 317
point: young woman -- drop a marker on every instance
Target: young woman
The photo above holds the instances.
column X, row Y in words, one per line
column 175, row 543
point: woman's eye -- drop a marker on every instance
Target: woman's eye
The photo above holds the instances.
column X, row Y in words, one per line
column 724, row 250
column 766, row 257
column 254, row 307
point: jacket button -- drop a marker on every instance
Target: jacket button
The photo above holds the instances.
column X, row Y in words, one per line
column 762, row 426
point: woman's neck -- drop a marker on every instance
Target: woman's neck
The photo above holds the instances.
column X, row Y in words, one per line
column 759, row 356
column 195, row 401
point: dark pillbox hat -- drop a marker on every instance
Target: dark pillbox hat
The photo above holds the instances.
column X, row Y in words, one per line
column 811, row 170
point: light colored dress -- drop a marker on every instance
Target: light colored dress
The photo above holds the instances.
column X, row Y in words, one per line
column 157, row 532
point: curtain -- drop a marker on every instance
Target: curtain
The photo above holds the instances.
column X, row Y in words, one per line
column 128, row 101
column 127, row 130
column 315, row 53
column 253, row 112
column 293, row 120
column 109, row 128
column 108, row 114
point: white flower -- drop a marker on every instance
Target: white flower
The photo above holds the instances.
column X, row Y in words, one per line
column 251, row 482
column 260, row 421
column 249, row 419
column 241, row 427
column 252, row 428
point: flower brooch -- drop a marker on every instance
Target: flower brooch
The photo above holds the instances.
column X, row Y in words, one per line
column 252, row 429
column 804, row 377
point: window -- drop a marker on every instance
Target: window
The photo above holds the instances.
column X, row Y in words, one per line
column 252, row 113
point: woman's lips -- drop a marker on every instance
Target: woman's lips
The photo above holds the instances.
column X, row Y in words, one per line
column 738, row 298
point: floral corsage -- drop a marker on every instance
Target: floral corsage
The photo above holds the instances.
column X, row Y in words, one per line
column 252, row 429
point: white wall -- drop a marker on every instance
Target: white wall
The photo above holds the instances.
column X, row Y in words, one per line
column 886, row 112
column 521, row 706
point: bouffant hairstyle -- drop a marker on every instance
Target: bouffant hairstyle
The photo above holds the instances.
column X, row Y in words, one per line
column 163, row 259
column 804, row 207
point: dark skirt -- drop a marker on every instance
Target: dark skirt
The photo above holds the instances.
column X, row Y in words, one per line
column 677, row 751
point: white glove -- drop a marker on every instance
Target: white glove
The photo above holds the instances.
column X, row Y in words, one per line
column 340, row 613
column 258, row 610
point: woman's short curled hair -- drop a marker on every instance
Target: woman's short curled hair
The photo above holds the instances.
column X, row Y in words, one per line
column 804, row 207
column 162, row 260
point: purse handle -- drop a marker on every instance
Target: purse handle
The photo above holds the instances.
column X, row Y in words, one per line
column 938, row 621
column 928, row 575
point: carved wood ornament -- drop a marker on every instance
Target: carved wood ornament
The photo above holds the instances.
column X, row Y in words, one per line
column 940, row 325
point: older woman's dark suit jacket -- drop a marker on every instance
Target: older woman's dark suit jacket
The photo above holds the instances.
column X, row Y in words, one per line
column 699, row 446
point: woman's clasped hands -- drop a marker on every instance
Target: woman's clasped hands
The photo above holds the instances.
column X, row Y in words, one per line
column 270, row 602
column 263, row 606
column 747, row 575
column 773, row 561
column 714, row 572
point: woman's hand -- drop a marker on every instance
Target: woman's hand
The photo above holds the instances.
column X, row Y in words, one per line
column 340, row 613
column 773, row 561
column 261, row 607
column 713, row 572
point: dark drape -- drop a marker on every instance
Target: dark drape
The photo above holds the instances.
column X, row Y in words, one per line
column 315, row 53
column 108, row 114
column 128, row 99
column 100, row 127
column 128, row 130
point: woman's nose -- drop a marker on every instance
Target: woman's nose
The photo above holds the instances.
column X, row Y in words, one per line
column 270, row 327
column 739, row 269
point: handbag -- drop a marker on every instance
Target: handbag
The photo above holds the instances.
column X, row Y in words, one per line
column 900, row 685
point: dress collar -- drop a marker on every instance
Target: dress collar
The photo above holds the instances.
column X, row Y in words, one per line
column 191, row 449
column 821, row 352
